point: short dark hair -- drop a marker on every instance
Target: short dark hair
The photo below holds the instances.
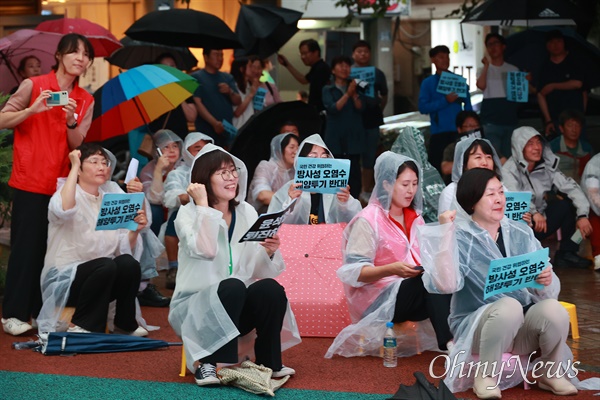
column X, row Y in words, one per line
column 571, row 114
column 90, row 149
column 554, row 34
column 339, row 60
column 206, row 51
column 162, row 56
column 361, row 43
column 438, row 49
column 493, row 35
column 205, row 167
column 484, row 146
column 462, row 116
column 286, row 140
column 69, row 43
column 312, row 45
column 471, row 187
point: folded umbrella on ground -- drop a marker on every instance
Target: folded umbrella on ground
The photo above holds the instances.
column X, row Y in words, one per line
column 422, row 389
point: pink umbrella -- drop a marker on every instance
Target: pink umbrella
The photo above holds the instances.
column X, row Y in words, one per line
column 20, row 44
column 312, row 255
column 104, row 42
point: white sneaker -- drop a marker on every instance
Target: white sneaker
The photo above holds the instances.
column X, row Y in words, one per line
column 284, row 371
column 15, row 327
column 139, row 332
column 597, row 262
column 77, row 329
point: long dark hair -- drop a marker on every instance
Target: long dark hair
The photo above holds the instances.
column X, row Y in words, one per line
column 413, row 167
column 205, row 167
column 240, row 76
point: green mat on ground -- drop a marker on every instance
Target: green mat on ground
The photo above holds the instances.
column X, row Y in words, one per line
column 23, row 385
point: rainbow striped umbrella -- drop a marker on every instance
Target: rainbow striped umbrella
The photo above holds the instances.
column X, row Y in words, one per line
column 137, row 97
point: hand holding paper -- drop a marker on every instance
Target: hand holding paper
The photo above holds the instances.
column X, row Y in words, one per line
column 132, row 170
column 271, row 245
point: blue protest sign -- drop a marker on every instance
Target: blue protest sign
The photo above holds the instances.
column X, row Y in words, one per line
column 258, row 101
column 322, row 175
column 512, row 273
column 517, row 87
column 118, row 211
column 452, row 83
column 230, row 129
column 366, row 74
column 517, row 204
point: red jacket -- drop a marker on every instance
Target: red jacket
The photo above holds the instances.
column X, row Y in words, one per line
column 41, row 149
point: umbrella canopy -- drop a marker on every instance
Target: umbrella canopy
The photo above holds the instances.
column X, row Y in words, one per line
column 185, row 28
column 422, row 389
column 60, row 343
column 253, row 142
column 135, row 53
column 264, row 29
column 103, row 42
column 527, row 50
column 312, row 255
column 21, row 44
column 137, row 97
column 524, row 13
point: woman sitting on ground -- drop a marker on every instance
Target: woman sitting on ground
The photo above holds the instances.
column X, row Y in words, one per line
column 381, row 273
column 456, row 257
column 314, row 208
column 271, row 175
column 225, row 289
column 87, row 268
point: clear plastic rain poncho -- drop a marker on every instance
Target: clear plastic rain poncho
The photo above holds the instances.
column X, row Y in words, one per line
column 272, row 174
column 456, row 258
column 196, row 314
column 590, row 183
column 73, row 240
column 178, row 179
column 335, row 211
column 373, row 239
column 447, row 199
column 161, row 139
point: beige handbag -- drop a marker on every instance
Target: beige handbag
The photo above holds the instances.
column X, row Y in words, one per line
column 146, row 147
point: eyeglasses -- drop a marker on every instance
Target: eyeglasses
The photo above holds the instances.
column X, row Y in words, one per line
column 96, row 162
column 227, row 174
column 314, row 154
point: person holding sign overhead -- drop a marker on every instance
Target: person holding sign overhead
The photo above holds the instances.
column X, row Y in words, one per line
column 314, row 208
column 441, row 105
column 225, row 289
column 87, row 268
column 456, row 256
column 381, row 272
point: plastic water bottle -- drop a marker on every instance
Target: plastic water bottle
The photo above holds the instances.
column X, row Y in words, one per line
column 389, row 347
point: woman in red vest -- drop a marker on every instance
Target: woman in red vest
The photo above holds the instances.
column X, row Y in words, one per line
column 43, row 137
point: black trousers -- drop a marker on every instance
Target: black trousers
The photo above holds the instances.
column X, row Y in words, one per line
column 354, row 180
column 28, row 237
column 560, row 213
column 262, row 305
column 96, row 284
column 415, row 303
column 437, row 144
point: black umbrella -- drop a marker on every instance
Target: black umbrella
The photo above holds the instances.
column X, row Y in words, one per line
column 524, row 13
column 422, row 389
column 264, row 29
column 57, row 343
column 527, row 50
column 135, row 53
column 253, row 142
column 184, row 28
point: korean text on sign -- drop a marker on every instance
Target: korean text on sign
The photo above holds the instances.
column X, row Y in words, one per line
column 267, row 225
column 322, row 175
column 512, row 273
column 118, row 211
column 452, row 83
column 517, row 87
column 517, row 204
column 366, row 74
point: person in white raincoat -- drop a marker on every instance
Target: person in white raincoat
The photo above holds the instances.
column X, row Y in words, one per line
column 381, row 277
column 225, row 288
column 314, row 208
column 469, row 153
column 456, row 258
column 85, row 268
column 590, row 184
column 271, row 175
column 175, row 195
